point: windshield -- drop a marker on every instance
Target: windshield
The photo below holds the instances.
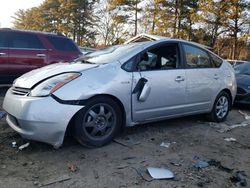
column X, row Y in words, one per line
column 242, row 69
column 108, row 55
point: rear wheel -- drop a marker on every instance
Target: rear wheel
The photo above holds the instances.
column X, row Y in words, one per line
column 99, row 122
column 221, row 107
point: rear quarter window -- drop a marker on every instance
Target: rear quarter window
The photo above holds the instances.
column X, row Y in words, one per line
column 62, row 44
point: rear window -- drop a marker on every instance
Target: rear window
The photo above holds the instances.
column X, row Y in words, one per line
column 24, row 40
column 62, row 44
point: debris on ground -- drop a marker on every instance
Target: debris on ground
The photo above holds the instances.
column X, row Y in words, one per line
column 246, row 116
column 218, row 164
column 122, row 166
column 223, row 127
column 212, row 162
column 127, row 142
column 160, row 173
column 201, row 164
column 230, row 139
column 57, row 180
column 175, row 163
column 2, row 114
column 24, row 146
column 13, row 144
column 239, row 177
column 143, row 175
column 72, row 167
column 167, row 144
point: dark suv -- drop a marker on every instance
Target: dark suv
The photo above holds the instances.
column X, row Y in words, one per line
column 22, row 51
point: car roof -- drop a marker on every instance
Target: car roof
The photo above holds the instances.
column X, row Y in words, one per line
column 148, row 43
column 32, row 31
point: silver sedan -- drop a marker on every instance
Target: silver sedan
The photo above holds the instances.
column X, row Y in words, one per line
column 94, row 97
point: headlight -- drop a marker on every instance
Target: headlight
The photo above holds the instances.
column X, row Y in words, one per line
column 52, row 84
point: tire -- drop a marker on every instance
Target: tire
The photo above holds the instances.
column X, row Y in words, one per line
column 221, row 107
column 98, row 122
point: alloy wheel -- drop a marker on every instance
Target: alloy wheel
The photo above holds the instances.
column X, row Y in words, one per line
column 99, row 121
column 222, row 107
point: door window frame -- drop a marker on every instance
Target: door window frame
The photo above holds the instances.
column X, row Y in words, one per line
column 137, row 57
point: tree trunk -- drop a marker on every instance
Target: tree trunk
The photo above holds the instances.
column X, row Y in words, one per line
column 136, row 17
column 175, row 17
column 154, row 19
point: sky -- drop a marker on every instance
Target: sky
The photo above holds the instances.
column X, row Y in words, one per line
column 9, row 7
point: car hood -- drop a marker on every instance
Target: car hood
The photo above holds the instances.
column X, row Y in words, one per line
column 243, row 80
column 31, row 78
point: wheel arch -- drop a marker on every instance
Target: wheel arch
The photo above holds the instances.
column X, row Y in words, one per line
column 230, row 95
column 71, row 122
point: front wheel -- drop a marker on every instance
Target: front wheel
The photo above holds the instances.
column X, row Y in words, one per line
column 98, row 123
column 221, row 107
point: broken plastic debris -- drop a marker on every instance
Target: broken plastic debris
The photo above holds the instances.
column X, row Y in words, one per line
column 201, row 164
column 13, row 144
column 166, row 144
column 2, row 114
column 230, row 139
column 247, row 117
column 24, row 146
column 160, row 173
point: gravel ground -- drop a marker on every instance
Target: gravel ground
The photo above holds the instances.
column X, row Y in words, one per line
column 124, row 162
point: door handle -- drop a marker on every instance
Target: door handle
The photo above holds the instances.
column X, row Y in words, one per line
column 179, row 79
column 216, row 77
column 2, row 54
column 40, row 55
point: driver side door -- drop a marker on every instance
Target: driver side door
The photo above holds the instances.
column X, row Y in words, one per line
column 159, row 85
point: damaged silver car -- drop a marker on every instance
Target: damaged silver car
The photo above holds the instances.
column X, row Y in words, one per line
column 119, row 86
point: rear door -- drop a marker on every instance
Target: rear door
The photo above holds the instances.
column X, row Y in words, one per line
column 4, row 57
column 26, row 52
column 203, row 79
column 159, row 85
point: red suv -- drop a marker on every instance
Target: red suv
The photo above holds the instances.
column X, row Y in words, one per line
column 22, row 51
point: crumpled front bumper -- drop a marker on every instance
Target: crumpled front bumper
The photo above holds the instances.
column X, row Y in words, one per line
column 39, row 118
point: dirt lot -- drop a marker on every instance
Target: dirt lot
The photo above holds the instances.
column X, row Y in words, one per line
column 124, row 165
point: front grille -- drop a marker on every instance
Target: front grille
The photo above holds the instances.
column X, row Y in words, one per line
column 241, row 91
column 20, row 91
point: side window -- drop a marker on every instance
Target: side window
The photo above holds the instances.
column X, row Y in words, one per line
column 3, row 40
column 216, row 61
column 160, row 58
column 128, row 66
column 196, row 58
column 25, row 40
column 62, row 43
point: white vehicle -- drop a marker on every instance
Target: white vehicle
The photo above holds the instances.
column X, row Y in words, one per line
column 120, row 86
